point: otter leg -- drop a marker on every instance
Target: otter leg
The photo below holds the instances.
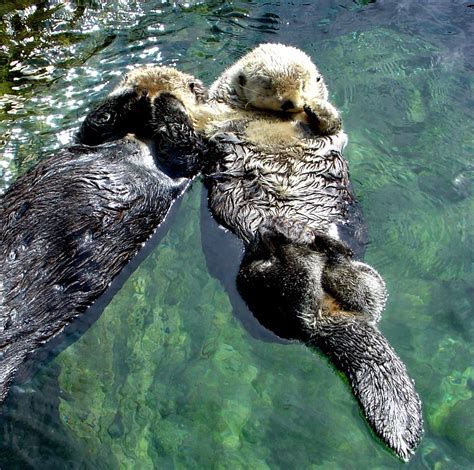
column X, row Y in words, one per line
column 378, row 378
column 323, row 117
column 356, row 286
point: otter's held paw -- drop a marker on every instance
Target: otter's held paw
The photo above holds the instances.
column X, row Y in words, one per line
column 323, row 117
column 169, row 119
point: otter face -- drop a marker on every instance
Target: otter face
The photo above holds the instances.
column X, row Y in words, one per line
column 129, row 108
column 276, row 77
column 151, row 81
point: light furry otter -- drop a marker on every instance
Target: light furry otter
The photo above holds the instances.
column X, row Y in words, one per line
column 280, row 163
column 304, row 285
column 69, row 226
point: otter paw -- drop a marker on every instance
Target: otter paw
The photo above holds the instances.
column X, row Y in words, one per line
column 323, row 117
column 169, row 118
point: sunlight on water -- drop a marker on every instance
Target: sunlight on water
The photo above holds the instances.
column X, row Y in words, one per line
column 168, row 377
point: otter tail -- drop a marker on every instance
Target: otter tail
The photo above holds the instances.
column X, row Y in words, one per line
column 378, row 378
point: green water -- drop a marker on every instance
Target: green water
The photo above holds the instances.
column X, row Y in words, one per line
column 168, row 377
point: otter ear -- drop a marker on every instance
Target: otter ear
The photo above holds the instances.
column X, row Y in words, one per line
column 199, row 90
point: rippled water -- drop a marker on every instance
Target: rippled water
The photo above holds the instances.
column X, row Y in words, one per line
column 168, row 377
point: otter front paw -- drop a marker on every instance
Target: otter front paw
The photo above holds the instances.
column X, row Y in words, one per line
column 323, row 117
column 169, row 119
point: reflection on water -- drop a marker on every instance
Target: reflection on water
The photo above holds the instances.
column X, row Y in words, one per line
column 179, row 381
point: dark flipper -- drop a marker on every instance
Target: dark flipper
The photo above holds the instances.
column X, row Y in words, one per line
column 378, row 378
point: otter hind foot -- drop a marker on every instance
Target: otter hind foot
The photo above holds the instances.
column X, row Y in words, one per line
column 356, row 286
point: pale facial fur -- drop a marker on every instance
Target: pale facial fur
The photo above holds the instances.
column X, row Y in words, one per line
column 274, row 78
column 271, row 77
column 151, row 81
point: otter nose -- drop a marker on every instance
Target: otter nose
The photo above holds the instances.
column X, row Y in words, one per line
column 288, row 104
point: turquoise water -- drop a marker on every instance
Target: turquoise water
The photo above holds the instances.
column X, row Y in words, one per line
column 168, row 377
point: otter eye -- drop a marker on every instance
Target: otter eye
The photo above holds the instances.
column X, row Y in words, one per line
column 191, row 86
column 242, row 79
column 318, row 79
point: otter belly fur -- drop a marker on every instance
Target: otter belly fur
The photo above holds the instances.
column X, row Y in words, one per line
column 282, row 143
column 304, row 285
column 69, row 226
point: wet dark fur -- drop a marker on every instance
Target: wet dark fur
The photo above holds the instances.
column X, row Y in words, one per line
column 70, row 225
column 284, row 278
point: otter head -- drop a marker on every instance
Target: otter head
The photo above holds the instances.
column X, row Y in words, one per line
column 129, row 108
column 276, row 77
column 151, row 81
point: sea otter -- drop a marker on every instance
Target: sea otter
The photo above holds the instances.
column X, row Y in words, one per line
column 286, row 162
column 70, row 225
column 303, row 285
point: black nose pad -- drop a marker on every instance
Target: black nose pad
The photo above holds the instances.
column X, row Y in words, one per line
column 287, row 105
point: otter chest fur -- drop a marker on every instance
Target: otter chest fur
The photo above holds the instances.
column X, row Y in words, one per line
column 306, row 182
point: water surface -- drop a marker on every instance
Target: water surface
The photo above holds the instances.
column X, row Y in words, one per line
column 168, row 377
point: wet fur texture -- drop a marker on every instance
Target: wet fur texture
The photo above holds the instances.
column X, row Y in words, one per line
column 285, row 276
column 69, row 226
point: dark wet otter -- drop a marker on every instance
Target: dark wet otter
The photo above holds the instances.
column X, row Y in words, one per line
column 304, row 285
column 69, row 226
